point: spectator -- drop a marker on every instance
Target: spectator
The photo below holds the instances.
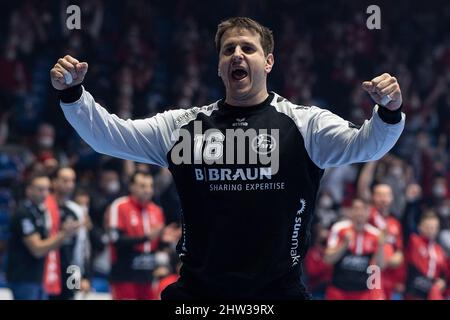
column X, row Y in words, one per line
column 44, row 149
column 135, row 224
column 30, row 242
column 381, row 217
column 354, row 245
column 75, row 250
column 426, row 260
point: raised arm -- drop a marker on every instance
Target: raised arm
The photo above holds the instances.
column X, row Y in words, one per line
column 332, row 141
column 146, row 140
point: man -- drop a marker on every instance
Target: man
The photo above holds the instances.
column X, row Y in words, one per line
column 67, row 267
column 135, row 224
column 426, row 261
column 30, row 243
column 104, row 192
column 380, row 216
column 247, row 168
column 353, row 246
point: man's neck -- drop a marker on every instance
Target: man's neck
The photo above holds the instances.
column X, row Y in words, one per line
column 140, row 202
column 383, row 211
column 247, row 102
column 36, row 203
column 359, row 227
column 60, row 199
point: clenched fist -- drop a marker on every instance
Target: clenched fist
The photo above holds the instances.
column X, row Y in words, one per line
column 68, row 72
column 385, row 91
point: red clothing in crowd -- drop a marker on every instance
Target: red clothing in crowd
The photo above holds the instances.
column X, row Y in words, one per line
column 319, row 273
column 132, row 291
column 52, row 269
column 426, row 263
column 350, row 273
column 390, row 277
column 163, row 283
column 132, row 254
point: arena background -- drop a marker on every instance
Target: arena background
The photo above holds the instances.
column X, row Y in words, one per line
column 148, row 56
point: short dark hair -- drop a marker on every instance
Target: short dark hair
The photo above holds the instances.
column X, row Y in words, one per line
column 139, row 173
column 361, row 199
column 55, row 174
column 265, row 33
column 427, row 215
column 80, row 191
column 33, row 177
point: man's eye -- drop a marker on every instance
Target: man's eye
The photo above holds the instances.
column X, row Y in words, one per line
column 228, row 51
column 248, row 49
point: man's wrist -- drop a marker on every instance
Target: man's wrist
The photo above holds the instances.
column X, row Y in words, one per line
column 70, row 94
column 389, row 116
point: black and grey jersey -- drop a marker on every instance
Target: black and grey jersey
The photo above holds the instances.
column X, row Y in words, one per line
column 247, row 179
column 22, row 265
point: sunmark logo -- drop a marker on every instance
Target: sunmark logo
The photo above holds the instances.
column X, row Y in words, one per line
column 294, row 239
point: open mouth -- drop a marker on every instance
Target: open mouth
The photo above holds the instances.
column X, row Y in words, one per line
column 239, row 74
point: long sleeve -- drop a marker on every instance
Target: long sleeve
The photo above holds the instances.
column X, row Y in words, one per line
column 333, row 141
column 120, row 239
column 145, row 140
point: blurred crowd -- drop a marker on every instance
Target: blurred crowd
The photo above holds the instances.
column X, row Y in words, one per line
column 148, row 56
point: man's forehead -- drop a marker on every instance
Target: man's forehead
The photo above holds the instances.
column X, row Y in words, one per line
column 144, row 178
column 64, row 174
column 41, row 181
column 240, row 34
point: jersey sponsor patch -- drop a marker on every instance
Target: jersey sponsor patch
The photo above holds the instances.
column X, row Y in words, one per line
column 302, row 107
column 144, row 261
column 355, row 263
column 114, row 235
column 281, row 99
column 353, row 126
column 27, row 227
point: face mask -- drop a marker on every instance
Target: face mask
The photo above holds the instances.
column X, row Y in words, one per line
column 439, row 191
column 113, row 187
column 397, row 172
column 444, row 211
column 326, row 202
column 85, row 208
column 162, row 258
column 46, row 142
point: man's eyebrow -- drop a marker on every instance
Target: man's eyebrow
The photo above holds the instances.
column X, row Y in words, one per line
column 242, row 43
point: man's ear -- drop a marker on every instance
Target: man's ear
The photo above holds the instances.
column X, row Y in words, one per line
column 269, row 63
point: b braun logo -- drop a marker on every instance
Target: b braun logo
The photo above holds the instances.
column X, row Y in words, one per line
column 263, row 144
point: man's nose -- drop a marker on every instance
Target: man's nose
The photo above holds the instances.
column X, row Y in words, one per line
column 238, row 53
